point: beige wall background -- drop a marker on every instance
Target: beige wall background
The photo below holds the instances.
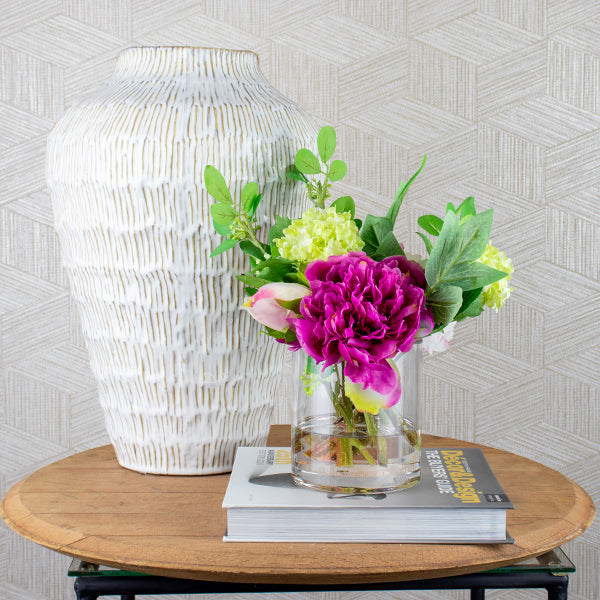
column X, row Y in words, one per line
column 503, row 96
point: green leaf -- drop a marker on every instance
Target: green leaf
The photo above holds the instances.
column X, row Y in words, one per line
column 223, row 214
column 337, row 170
column 456, row 249
column 344, row 204
column 392, row 213
column 223, row 230
column 469, row 297
column 467, row 207
column 274, row 250
column 326, row 143
column 373, row 233
column 295, row 277
column 450, row 206
column 374, row 229
column 254, row 205
column 276, row 230
column 223, row 247
column 445, row 303
column 252, row 280
column 293, row 173
column 275, row 268
column 379, row 238
column 389, row 246
column 249, row 248
column 307, row 162
column 474, row 309
column 472, row 304
column 290, row 304
column 472, row 276
column 432, row 224
column 358, row 223
column 288, row 336
column 427, row 241
column 216, row 186
column 443, row 251
column 249, row 194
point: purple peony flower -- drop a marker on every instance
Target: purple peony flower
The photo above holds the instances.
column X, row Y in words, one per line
column 362, row 312
column 417, row 273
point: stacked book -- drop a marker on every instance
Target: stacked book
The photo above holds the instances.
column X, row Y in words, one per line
column 458, row 500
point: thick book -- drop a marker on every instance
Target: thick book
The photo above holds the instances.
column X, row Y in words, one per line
column 458, row 500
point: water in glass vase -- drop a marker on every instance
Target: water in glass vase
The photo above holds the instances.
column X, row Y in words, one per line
column 330, row 457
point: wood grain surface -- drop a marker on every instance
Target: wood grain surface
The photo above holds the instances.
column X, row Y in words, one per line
column 89, row 507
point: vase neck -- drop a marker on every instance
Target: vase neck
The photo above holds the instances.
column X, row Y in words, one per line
column 155, row 62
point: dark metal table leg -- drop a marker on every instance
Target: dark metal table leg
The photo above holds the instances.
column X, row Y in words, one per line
column 477, row 593
column 83, row 594
column 560, row 591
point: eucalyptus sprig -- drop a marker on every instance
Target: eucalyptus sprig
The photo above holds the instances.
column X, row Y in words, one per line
column 455, row 277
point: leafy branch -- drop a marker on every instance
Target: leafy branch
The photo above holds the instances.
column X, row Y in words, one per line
column 307, row 163
column 455, row 277
column 235, row 222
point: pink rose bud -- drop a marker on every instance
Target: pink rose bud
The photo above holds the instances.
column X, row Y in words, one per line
column 272, row 304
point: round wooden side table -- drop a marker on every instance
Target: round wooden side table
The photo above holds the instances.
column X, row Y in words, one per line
column 90, row 508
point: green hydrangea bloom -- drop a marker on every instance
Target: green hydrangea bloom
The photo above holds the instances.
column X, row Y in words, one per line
column 318, row 234
column 496, row 294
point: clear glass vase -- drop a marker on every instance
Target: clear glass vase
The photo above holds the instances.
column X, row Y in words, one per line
column 337, row 448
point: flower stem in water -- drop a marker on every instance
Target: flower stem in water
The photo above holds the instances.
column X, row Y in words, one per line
column 357, row 444
column 344, row 452
column 340, row 401
column 376, row 439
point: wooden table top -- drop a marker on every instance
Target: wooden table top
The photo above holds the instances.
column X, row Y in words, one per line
column 88, row 507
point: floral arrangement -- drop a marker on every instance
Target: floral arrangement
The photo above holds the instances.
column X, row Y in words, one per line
column 345, row 291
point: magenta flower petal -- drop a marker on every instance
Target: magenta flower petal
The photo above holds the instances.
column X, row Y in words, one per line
column 380, row 376
column 427, row 323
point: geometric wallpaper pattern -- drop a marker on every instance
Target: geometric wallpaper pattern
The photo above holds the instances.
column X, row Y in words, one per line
column 504, row 98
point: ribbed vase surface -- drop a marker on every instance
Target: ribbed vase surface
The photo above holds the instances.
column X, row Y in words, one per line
column 184, row 377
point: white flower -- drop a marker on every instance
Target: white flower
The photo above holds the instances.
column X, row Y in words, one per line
column 439, row 341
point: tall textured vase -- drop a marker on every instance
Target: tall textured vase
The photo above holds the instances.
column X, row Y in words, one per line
column 183, row 376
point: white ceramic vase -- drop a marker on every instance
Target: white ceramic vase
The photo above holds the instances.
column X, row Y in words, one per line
column 184, row 377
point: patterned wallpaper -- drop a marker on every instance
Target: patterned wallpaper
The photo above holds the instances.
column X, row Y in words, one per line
column 502, row 95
